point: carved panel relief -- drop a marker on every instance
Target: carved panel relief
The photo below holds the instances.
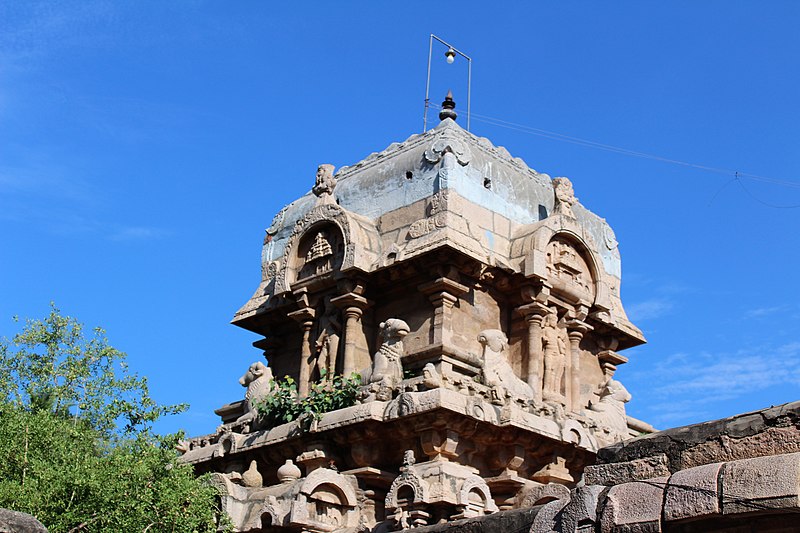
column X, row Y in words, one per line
column 436, row 217
column 320, row 252
column 568, row 271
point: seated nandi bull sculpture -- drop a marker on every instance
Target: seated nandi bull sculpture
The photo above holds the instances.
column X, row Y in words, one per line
column 497, row 372
column 258, row 380
column 386, row 371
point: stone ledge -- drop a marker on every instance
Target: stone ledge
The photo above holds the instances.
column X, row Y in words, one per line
column 515, row 520
column 771, row 431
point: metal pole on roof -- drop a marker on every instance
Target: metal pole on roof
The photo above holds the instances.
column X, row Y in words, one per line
column 450, row 54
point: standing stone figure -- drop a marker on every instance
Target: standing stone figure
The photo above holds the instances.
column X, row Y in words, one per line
column 565, row 197
column 555, row 353
column 327, row 344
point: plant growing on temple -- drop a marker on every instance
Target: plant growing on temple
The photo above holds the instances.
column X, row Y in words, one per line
column 329, row 394
column 76, row 449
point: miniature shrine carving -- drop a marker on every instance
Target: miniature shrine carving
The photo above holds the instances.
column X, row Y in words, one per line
column 567, row 270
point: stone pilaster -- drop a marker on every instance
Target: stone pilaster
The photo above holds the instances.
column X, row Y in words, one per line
column 305, row 317
column 534, row 314
column 443, row 294
column 353, row 306
column 576, row 330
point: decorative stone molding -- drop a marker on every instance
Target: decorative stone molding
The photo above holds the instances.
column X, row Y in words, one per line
column 448, row 143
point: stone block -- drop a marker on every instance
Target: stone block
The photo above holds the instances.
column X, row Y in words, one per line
column 761, row 483
column 693, row 493
column 502, row 226
column 581, row 511
column 634, row 507
column 636, row 470
column 548, row 519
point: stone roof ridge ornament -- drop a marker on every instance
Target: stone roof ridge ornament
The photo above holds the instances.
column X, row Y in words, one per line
column 324, row 185
column 448, row 107
column 446, row 143
column 564, row 197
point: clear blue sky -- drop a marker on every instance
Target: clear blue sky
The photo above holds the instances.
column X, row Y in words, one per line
column 145, row 147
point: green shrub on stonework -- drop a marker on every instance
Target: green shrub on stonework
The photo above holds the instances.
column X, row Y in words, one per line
column 329, row 394
column 76, row 450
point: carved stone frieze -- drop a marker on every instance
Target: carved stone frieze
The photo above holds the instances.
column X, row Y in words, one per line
column 437, row 217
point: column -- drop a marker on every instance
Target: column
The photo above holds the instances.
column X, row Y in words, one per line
column 534, row 314
column 575, row 329
column 443, row 294
column 305, row 317
column 353, row 306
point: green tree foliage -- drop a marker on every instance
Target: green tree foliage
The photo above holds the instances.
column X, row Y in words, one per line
column 283, row 405
column 76, row 449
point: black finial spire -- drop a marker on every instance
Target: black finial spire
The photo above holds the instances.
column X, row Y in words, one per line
column 448, row 107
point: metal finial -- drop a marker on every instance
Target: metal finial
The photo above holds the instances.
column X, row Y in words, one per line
column 448, row 107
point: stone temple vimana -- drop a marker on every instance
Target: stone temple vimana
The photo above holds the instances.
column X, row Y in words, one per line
column 479, row 302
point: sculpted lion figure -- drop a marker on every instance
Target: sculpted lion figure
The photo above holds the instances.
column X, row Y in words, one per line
column 497, row 372
column 387, row 367
column 258, row 380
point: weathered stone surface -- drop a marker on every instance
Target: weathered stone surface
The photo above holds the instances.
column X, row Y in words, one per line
column 768, row 432
column 16, row 522
column 761, row 483
column 634, row 507
column 515, row 520
column 693, row 493
column 635, row 470
column 581, row 513
column 548, row 519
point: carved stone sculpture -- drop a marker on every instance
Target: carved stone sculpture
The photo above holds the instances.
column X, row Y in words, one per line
column 387, row 367
column 565, row 197
column 609, row 411
column 258, row 380
column 555, row 350
column 327, row 343
column 325, row 183
column 497, row 372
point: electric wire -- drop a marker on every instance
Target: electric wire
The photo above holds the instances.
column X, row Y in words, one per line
column 555, row 136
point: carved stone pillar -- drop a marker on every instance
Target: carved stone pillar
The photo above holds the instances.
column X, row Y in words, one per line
column 352, row 306
column 534, row 314
column 443, row 294
column 305, row 317
column 576, row 330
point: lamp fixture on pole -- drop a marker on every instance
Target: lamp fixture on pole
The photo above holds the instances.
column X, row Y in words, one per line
column 450, row 56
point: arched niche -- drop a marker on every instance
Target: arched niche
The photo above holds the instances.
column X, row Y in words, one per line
column 326, row 501
column 475, row 498
column 325, row 240
column 562, row 254
column 319, row 253
column 406, row 489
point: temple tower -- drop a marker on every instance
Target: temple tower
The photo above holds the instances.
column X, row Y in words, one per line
column 479, row 302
